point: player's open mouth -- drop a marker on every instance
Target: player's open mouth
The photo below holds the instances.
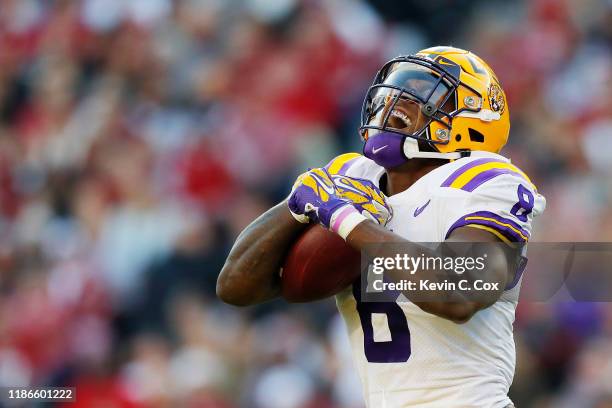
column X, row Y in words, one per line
column 401, row 117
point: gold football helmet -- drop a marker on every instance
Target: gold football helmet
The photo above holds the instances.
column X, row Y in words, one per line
column 437, row 103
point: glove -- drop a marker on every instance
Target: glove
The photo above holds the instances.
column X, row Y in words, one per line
column 365, row 197
column 314, row 198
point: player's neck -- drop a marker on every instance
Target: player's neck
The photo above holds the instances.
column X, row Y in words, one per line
column 402, row 177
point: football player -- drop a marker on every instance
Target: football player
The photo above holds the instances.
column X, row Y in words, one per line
column 433, row 124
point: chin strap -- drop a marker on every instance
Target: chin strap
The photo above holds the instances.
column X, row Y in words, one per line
column 434, row 155
column 411, row 151
column 389, row 150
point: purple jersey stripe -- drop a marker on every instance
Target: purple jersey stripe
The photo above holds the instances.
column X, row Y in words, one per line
column 505, row 231
column 501, row 219
column 465, row 168
column 518, row 273
column 512, row 231
column 345, row 167
column 486, row 176
column 508, row 232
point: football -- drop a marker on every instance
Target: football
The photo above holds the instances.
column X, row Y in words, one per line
column 318, row 265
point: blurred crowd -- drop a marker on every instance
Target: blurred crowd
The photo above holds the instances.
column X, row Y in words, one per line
column 138, row 138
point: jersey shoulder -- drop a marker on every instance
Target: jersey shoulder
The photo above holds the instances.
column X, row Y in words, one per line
column 355, row 165
column 489, row 193
column 473, row 173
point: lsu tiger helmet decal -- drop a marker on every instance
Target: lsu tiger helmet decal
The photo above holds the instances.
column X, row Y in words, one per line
column 438, row 103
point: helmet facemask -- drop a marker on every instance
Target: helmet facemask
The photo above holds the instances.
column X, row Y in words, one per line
column 407, row 96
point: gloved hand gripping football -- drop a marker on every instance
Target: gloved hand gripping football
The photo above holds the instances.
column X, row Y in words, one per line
column 339, row 203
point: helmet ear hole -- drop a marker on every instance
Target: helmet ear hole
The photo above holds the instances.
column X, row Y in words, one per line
column 476, row 136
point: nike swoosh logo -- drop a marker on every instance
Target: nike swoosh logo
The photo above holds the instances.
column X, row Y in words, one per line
column 419, row 210
column 379, row 149
column 323, row 185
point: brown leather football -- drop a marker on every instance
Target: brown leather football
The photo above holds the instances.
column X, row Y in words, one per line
column 318, row 265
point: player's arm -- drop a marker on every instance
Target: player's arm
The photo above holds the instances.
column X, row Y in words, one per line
column 374, row 240
column 251, row 272
column 342, row 216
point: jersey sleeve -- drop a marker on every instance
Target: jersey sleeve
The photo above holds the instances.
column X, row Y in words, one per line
column 355, row 165
column 341, row 164
column 503, row 202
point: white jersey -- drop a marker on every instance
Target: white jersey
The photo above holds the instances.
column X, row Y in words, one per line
column 410, row 358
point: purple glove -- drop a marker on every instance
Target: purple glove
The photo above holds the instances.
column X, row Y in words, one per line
column 313, row 199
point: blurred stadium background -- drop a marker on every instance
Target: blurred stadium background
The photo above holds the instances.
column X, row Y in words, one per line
column 137, row 138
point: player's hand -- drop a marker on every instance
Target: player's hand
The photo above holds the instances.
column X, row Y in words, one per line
column 339, row 206
column 313, row 198
column 365, row 197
